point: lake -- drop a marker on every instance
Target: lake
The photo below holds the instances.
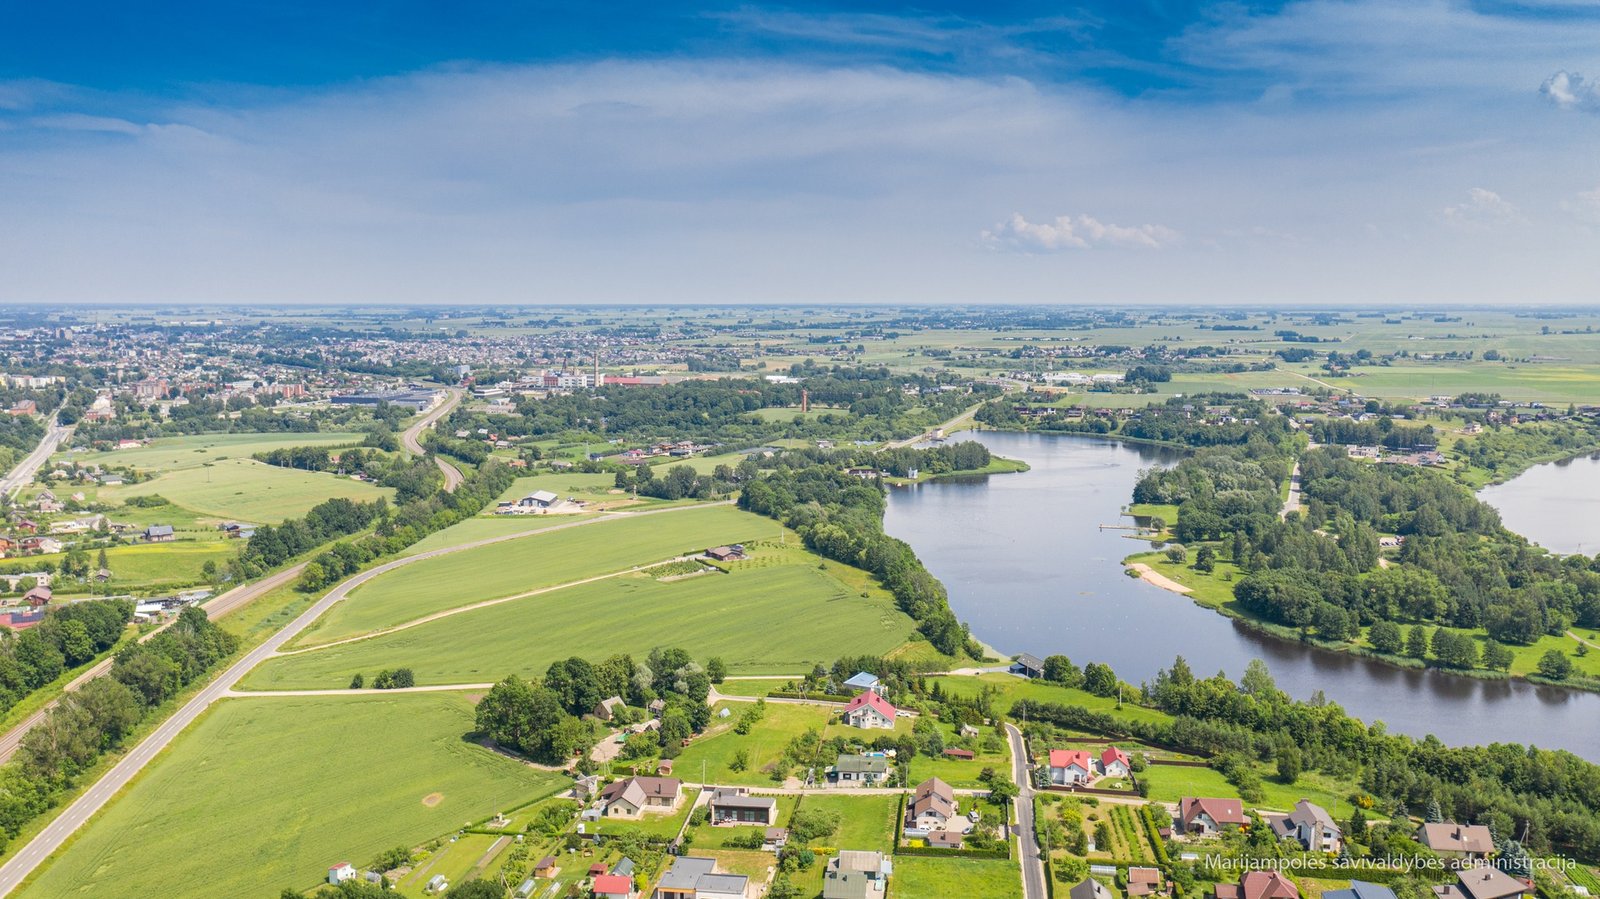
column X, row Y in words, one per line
column 1553, row 504
column 1029, row 568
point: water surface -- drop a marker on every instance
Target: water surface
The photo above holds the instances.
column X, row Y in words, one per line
column 1556, row 505
column 1029, row 568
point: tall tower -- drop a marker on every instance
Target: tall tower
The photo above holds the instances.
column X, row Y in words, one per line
column 805, row 400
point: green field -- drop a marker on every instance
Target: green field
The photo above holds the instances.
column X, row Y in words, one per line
column 781, row 723
column 529, row 563
column 485, row 526
column 1011, row 688
column 203, row 821
column 865, row 822
column 168, row 453
column 916, row 877
column 248, row 490
column 157, row 565
column 719, row 615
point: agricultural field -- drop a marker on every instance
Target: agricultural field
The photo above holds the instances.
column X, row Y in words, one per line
column 408, row 779
column 247, row 490
column 719, row 615
column 172, row 453
column 159, row 566
column 542, row 560
column 486, row 526
column 595, row 489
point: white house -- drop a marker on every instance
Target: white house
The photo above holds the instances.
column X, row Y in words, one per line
column 1114, row 762
column 1311, row 825
column 1071, row 766
column 341, row 872
column 869, row 710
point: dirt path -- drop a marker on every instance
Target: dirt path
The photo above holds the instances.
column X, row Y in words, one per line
column 1151, row 576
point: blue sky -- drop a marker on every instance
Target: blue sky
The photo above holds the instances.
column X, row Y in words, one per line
column 1314, row 151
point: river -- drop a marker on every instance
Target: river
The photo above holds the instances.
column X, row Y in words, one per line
column 1029, row 568
column 1553, row 504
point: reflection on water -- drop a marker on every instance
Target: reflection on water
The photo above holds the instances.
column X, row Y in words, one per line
column 1553, row 505
column 1029, row 567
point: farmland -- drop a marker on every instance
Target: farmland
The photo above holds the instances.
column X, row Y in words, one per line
column 528, row 563
column 173, row 453
column 410, row 777
column 720, row 615
column 248, row 490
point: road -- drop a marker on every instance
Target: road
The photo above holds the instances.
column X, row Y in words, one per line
column 411, row 439
column 959, row 421
column 1033, row 883
column 48, row 841
column 230, row 601
column 22, row 475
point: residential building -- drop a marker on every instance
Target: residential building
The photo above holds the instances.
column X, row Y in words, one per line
column 1259, row 885
column 1311, row 825
column 634, row 796
column 864, row 681
column 1069, row 767
column 736, row 806
column 1114, row 762
column 856, row 768
column 158, row 533
column 1483, row 883
column 612, row 886
column 608, row 707
column 691, row 877
column 1457, row 840
column 1090, row 888
column 1360, row 889
column 1144, row 881
column 933, row 804
column 1205, row 815
column 856, row 874
column 1028, row 666
column 870, row 711
column 341, row 872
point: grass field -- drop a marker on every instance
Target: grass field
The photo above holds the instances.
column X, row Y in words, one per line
column 490, row 526
column 247, row 490
column 865, row 822
column 724, row 615
column 916, row 877
column 542, row 560
column 169, row 453
column 408, row 778
column 765, row 743
column 157, row 565
column 1010, row 688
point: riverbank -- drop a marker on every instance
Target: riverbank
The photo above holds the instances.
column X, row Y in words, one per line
column 1214, row 591
column 997, row 465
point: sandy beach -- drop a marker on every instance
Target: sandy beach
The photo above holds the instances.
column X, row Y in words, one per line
column 1151, row 576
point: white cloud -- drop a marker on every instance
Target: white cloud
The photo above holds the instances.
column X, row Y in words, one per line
column 1569, row 90
column 1585, row 205
column 1484, row 210
column 1080, row 232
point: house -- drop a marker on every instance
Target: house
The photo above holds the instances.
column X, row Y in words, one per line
column 37, row 597
column 546, row 867
column 41, row 544
column 1311, row 825
column 863, row 769
column 967, row 730
column 623, row 868
column 1457, row 840
column 607, row 709
column 158, row 533
column 933, row 804
column 1483, row 883
column 965, row 755
column 656, row 707
column 341, row 872
column 612, row 886
column 1259, row 885
column 946, row 839
column 735, row 806
column 1071, row 766
column 856, row 874
column 775, row 838
column 1144, row 881
column 1204, row 815
column 691, row 877
column 733, row 553
column 1360, row 889
column 1091, row 889
column 1028, row 666
column 870, row 711
column 862, row 680
column 634, row 796
column 1114, row 762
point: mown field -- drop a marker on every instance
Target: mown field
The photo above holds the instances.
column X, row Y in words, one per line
column 541, row 560
column 485, row 526
column 916, row 877
column 168, row 453
column 763, row 746
column 248, row 490
column 731, row 616
column 204, row 821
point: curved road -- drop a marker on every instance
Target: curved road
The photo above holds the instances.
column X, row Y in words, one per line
column 17, row 868
column 411, row 439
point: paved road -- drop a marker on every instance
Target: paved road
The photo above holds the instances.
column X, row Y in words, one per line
column 411, row 439
column 76, row 815
column 1033, row 883
column 219, row 606
column 22, row 475
column 960, row 420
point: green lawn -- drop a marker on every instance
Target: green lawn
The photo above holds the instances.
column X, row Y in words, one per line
column 730, row 616
column 540, row 560
column 708, row 837
column 651, row 825
column 168, row 453
column 267, row 793
column 765, row 743
column 1169, row 783
column 961, row 772
column 248, row 490
column 484, row 526
column 1010, row 689
column 916, row 877
column 865, row 822
column 156, row 565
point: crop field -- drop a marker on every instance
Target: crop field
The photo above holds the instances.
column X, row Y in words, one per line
column 169, row 453
column 529, row 563
column 916, row 877
column 248, row 490
column 731, row 616
column 203, row 822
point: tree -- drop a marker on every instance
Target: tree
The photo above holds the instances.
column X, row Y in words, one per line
column 1289, row 764
column 1176, row 553
column 1496, row 656
column 1417, row 642
column 1385, row 637
column 1099, row 679
column 716, row 669
column 1555, row 665
column 1205, row 559
column 358, row 682
column 476, row 889
column 1058, row 669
